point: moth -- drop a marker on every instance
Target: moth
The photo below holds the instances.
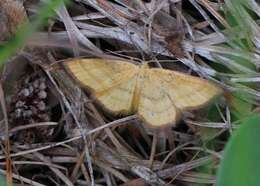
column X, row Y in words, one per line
column 158, row 96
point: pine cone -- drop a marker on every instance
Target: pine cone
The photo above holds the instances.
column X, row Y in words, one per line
column 28, row 106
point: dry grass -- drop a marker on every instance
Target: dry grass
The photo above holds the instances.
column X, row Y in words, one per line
column 71, row 141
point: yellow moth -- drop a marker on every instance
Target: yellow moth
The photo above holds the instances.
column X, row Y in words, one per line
column 158, row 96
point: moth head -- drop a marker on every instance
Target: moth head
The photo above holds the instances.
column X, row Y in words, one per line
column 145, row 65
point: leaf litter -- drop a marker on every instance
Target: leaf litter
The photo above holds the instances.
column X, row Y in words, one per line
column 53, row 133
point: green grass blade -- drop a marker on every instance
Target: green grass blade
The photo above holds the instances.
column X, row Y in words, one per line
column 241, row 165
column 27, row 29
